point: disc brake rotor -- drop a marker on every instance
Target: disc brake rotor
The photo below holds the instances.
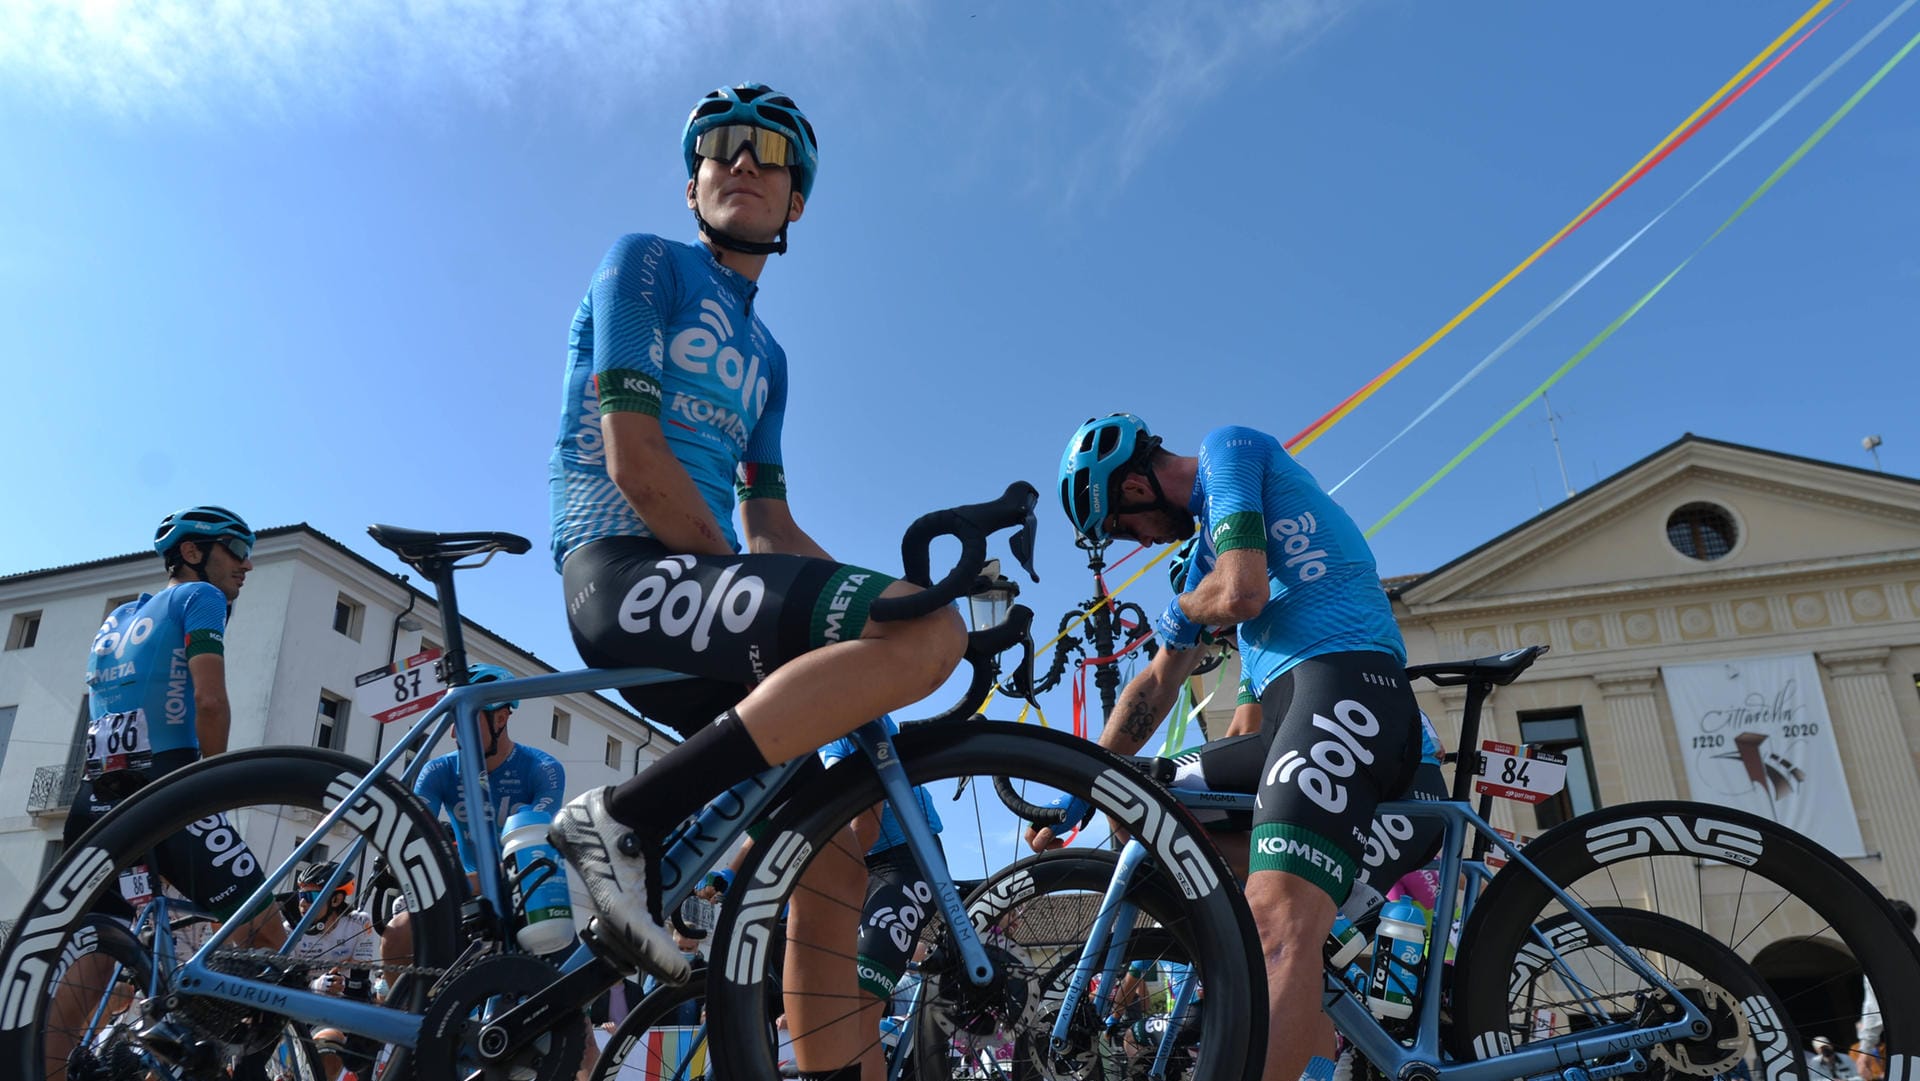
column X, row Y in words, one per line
column 1726, row 1038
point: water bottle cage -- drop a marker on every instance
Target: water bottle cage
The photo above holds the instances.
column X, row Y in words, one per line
column 530, row 877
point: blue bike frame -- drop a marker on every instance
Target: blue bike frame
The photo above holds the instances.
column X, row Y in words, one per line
column 696, row 849
column 1350, row 1013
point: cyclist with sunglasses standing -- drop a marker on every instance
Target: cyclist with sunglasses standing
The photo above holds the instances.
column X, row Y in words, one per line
column 341, row 949
column 157, row 701
column 675, row 397
column 1339, row 729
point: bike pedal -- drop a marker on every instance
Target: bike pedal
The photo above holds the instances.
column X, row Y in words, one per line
column 609, row 948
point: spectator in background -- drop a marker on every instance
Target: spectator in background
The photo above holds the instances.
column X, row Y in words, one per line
column 1869, row 1054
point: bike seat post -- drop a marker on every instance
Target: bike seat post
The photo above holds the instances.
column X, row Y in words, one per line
column 1467, row 751
column 454, row 658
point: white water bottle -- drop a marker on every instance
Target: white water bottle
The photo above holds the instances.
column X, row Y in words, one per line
column 1397, row 955
column 547, row 907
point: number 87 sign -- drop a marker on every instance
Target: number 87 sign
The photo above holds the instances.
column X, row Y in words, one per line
column 394, row 691
column 1527, row 774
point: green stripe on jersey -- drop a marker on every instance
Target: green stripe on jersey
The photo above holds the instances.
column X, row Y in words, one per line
column 624, row 390
column 759, row 480
column 1242, row 529
column 205, row 640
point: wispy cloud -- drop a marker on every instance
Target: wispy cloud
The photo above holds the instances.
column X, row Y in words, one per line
column 1124, row 77
column 1188, row 53
column 145, row 57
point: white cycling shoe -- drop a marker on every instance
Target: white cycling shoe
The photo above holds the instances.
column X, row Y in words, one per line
column 615, row 870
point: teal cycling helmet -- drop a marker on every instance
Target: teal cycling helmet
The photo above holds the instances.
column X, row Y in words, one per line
column 1180, row 563
column 488, row 673
column 761, row 106
column 1099, row 453
column 202, row 525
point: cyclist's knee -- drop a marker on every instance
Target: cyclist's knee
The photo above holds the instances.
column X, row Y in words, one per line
column 1289, row 910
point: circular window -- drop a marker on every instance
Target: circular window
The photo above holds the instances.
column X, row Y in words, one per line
column 1701, row 531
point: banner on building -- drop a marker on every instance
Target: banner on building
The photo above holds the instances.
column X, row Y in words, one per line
column 1755, row 735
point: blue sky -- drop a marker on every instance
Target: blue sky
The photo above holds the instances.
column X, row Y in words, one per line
column 321, row 267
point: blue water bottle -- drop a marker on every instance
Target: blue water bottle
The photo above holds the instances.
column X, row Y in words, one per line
column 1397, row 953
column 548, row 907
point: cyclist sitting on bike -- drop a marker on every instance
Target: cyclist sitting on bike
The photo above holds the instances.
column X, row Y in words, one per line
column 157, row 700
column 341, row 950
column 675, row 395
column 519, row 778
column 1276, row 557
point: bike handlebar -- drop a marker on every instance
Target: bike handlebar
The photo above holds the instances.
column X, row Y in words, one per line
column 970, row 525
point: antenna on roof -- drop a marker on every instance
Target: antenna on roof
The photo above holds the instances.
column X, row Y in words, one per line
column 1871, row 445
column 1554, row 428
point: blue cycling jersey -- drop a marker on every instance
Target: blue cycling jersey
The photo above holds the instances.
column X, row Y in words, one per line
column 891, row 836
column 667, row 331
column 530, row 779
column 1323, row 592
column 140, row 692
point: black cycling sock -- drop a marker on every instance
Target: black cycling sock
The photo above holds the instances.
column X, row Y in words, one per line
column 711, row 761
column 850, row 1072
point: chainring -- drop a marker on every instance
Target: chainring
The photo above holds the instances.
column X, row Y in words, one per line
column 450, row 1029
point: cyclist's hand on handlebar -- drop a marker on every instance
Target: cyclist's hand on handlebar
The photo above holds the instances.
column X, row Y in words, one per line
column 1174, row 630
column 1074, row 811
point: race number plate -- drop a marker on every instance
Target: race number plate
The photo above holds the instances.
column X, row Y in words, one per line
column 136, row 885
column 394, row 691
column 1519, row 773
column 118, row 741
column 1496, row 857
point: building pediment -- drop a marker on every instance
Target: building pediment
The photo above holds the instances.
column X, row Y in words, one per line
column 1790, row 517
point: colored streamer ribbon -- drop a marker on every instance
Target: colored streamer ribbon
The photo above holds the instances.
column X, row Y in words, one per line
column 1673, row 139
column 1599, row 339
column 1813, row 84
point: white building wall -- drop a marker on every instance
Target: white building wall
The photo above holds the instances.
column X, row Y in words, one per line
column 282, row 652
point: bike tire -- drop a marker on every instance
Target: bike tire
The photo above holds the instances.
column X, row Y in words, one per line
column 254, row 788
column 628, row 1048
column 1210, row 913
column 1602, row 847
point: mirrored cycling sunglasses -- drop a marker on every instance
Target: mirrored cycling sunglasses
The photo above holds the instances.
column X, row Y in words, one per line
column 234, row 545
column 723, row 144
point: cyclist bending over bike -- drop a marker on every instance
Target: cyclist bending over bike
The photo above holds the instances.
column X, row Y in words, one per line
column 675, row 394
column 1279, row 559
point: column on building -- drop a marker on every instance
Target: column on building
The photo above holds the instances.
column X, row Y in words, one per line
column 1646, row 773
column 1879, row 764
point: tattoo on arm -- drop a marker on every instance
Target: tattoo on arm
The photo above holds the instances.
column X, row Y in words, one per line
column 1138, row 722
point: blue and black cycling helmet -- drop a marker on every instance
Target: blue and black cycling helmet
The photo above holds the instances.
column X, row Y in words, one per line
column 488, row 673
column 761, row 106
column 202, row 524
column 1098, row 455
column 1180, row 562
